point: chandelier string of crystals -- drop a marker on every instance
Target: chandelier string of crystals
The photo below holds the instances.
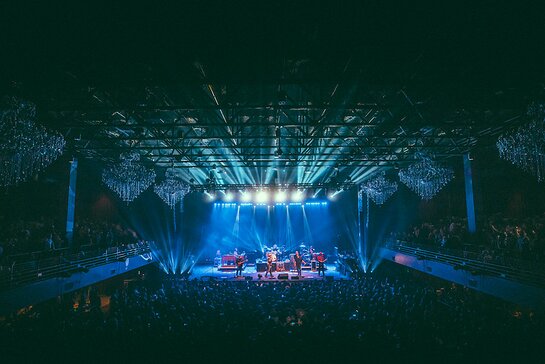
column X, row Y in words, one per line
column 128, row 178
column 426, row 177
column 25, row 147
column 525, row 148
column 172, row 190
column 379, row 189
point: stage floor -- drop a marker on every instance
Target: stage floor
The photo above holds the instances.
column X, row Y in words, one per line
column 207, row 272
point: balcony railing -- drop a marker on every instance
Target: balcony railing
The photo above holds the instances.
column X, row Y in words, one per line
column 469, row 262
column 63, row 265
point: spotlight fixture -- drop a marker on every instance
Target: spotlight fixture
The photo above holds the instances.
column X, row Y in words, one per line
column 228, row 197
column 262, row 196
column 278, row 152
column 280, row 196
column 333, row 195
column 246, row 196
column 297, row 196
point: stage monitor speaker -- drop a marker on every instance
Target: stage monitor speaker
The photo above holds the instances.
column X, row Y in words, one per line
column 295, row 277
column 283, row 276
column 248, row 278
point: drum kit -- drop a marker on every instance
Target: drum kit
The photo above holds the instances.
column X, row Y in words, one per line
column 274, row 252
column 308, row 254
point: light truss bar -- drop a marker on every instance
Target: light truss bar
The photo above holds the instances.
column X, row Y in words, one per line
column 289, row 186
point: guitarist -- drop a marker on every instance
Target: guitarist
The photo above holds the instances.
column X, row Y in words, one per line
column 298, row 259
column 321, row 260
column 271, row 257
column 241, row 259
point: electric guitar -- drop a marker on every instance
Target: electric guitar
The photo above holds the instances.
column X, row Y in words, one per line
column 240, row 261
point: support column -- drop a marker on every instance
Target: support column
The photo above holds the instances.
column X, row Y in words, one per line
column 363, row 213
column 470, row 203
column 71, row 201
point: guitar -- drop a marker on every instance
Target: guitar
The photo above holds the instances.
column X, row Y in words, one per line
column 241, row 260
column 271, row 257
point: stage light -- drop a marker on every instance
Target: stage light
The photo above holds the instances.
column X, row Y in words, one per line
column 280, row 196
column 297, row 196
column 229, row 196
column 245, row 196
column 278, row 153
column 262, row 197
column 210, row 197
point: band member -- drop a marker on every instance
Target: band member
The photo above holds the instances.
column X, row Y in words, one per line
column 240, row 264
column 298, row 262
column 321, row 260
column 270, row 259
column 217, row 259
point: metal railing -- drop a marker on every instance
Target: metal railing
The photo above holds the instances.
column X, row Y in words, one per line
column 476, row 266
column 20, row 273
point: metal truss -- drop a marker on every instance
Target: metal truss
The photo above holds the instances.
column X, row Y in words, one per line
column 273, row 187
column 242, row 131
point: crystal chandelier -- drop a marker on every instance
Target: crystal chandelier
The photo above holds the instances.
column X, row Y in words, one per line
column 379, row 189
column 525, row 147
column 128, row 178
column 25, row 147
column 426, row 177
column 172, row 190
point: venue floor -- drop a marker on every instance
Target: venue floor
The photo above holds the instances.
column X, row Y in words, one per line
column 210, row 272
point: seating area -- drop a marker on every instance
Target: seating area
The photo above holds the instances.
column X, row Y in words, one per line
column 24, row 239
column 499, row 239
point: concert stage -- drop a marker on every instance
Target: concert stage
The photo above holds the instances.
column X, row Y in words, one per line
column 210, row 272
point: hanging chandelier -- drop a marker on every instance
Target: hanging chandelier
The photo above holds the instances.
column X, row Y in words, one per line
column 172, row 190
column 426, row 177
column 525, row 148
column 25, row 147
column 379, row 189
column 128, row 178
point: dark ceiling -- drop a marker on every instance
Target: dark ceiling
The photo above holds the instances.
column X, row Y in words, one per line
column 255, row 91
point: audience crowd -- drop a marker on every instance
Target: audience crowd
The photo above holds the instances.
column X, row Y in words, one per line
column 47, row 234
column 499, row 239
column 391, row 314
